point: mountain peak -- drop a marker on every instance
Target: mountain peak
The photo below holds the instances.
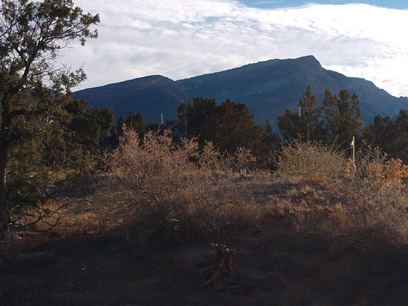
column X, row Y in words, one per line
column 308, row 60
column 267, row 88
column 307, row 63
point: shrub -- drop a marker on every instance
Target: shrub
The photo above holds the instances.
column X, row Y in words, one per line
column 309, row 162
column 158, row 187
column 375, row 193
column 337, row 197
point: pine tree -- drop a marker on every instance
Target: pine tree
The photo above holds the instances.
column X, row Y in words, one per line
column 136, row 122
column 342, row 118
column 306, row 123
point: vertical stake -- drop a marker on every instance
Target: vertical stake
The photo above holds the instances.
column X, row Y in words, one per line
column 353, row 144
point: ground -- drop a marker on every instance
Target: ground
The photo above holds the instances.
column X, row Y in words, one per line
column 271, row 268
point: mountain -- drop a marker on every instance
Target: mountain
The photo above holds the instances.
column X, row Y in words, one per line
column 267, row 88
column 149, row 96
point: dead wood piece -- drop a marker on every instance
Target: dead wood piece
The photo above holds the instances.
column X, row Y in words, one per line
column 222, row 267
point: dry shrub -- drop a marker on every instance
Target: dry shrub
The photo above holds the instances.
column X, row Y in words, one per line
column 334, row 195
column 309, row 162
column 159, row 187
column 308, row 207
column 375, row 196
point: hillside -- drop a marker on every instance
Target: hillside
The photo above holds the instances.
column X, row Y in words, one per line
column 150, row 96
column 267, row 88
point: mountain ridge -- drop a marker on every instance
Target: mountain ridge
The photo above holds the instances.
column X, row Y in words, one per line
column 266, row 87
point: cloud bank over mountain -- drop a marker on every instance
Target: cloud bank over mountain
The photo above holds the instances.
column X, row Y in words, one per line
column 183, row 38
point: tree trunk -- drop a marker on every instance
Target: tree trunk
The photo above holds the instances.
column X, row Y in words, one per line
column 4, row 145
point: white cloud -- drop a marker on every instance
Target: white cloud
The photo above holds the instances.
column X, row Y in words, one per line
column 183, row 38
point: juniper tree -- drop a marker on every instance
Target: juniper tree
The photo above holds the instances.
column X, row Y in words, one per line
column 31, row 35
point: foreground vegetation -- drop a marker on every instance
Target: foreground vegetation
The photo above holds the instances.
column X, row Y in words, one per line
column 154, row 189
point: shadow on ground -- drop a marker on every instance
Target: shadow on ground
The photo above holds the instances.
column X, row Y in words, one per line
column 270, row 269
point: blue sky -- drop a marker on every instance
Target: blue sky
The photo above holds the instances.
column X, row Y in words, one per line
column 185, row 38
column 396, row 4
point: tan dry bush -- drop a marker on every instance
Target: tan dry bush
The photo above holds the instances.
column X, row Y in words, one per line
column 343, row 198
column 308, row 162
column 307, row 207
column 159, row 187
column 374, row 194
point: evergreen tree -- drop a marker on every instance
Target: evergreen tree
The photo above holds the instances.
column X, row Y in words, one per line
column 85, row 134
column 232, row 126
column 31, row 34
column 268, row 148
column 399, row 140
column 228, row 126
column 390, row 136
column 194, row 115
column 306, row 123
column 120, row 125
column 105, row 117
column 380, row 133
column 136, row 122
column 342, row 118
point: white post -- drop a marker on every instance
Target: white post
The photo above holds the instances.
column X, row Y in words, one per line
column 300, row 111
column 162, row 119
column 353, row 144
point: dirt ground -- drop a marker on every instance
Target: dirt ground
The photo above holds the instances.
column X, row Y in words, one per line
column 270, row 269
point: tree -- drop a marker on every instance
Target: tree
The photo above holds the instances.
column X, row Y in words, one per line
column 232, row 126
column 31, row 35
column 390, row 136
column 105, row 117
column 136, row 122
column 342, row 118
column 120, row 125
column 380, row 133
column 195, row 114
column 268, row 148
column 306, row 125
column 398, row 143
column 228, row 126
column 83, row 134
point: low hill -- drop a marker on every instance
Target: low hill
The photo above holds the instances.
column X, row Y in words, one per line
column 267, row 88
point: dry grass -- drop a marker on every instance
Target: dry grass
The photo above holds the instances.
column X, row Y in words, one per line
column 154, row 188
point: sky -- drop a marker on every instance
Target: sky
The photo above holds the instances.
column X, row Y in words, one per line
column 185, row 38
column 396, row 4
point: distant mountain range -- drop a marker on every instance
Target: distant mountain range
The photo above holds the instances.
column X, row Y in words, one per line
column 267, row 88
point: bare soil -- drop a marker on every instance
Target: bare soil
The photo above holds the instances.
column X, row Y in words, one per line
column 270, row 269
